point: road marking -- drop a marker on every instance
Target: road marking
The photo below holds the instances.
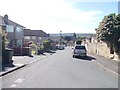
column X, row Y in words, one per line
column 16, row 82
column 13, row 86
column 19, row 80
column 107, row 69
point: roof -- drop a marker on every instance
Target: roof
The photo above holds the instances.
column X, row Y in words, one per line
column 10, row 22
column 1, row 21
column 39, row 33
column 55, row 38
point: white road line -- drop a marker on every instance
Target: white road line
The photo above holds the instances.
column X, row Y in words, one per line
column 33, row 61
column 16, row 82
column 107, row 69
column 13, row 86
column 19, row 80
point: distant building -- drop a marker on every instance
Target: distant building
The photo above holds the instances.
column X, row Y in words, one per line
column 55, row 38
column 36, row 36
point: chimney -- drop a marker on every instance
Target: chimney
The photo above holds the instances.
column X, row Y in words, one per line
column 6, row 19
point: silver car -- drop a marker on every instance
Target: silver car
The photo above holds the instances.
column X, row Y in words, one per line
column 79, row 50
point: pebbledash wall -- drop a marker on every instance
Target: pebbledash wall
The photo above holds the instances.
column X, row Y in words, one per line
column 101, row 48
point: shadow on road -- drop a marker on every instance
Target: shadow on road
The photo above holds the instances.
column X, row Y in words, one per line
column 51, row 51
column 88, row 58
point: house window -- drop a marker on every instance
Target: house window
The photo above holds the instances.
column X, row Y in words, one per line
column 18, row 29
column 9, row 28
column 40, row 38
column 19, row 33
column 33, row 37
column 27, row 37
column 19, row 43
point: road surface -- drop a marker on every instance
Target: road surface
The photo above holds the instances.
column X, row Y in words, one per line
column 61, row 70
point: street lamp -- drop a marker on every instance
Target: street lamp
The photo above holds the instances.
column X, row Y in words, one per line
column 60, row 37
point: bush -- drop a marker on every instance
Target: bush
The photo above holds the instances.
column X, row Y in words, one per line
column 78, row 42
column 46, row 45
column 109, row 31
column 34, row 48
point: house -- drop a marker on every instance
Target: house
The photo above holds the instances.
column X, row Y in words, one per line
column 15, row 32
column 15, row 35
column 55, row 39
column 36, row 36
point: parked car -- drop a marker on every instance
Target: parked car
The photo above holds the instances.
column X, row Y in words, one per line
column 79, row 50
column 60, row 47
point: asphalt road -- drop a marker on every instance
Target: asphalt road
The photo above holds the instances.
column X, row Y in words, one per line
column 61, row 70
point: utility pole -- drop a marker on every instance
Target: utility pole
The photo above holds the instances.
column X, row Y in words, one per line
column 60, row 37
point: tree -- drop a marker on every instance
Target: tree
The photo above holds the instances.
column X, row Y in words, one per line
column 78, row 42
column 109, row 31
column 68, row 38
column 74, row 35
column 81, row 38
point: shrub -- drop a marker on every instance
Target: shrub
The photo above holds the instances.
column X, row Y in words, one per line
column 46, row 45
column 109, row 31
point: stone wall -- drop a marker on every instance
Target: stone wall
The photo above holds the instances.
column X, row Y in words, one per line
column 101, row 49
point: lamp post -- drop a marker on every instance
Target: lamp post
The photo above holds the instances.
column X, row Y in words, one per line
column 60, row 37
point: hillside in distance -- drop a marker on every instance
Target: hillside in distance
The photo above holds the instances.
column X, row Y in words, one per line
column 71, row 34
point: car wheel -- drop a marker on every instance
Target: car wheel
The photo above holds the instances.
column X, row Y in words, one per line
column 73, row 56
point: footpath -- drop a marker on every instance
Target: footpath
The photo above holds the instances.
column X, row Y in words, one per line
column 107, row 64
column 21, row 61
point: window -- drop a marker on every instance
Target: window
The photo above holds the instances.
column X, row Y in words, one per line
column 19, row 43
column 19, row 33
column 9, row 28
column 39, row 38
column 18, row 29
column 27, row 37
column 80, row 47
column 33, row 37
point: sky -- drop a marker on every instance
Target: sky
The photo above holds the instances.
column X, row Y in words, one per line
column 53, row 16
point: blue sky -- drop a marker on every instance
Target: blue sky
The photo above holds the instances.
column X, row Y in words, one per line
column 105, row 7
column 69, row 16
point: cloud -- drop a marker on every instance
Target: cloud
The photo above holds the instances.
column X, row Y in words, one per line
column 49, row 15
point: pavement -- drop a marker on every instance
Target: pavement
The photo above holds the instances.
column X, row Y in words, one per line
column 107, row 64
column 21, row 61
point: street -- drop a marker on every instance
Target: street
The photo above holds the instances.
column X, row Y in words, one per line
column 61, row 70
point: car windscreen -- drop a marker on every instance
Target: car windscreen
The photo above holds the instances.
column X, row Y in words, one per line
column 80, row 47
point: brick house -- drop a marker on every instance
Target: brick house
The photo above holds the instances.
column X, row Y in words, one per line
column 15, row 32
column 36, row 36
column 15, row 35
